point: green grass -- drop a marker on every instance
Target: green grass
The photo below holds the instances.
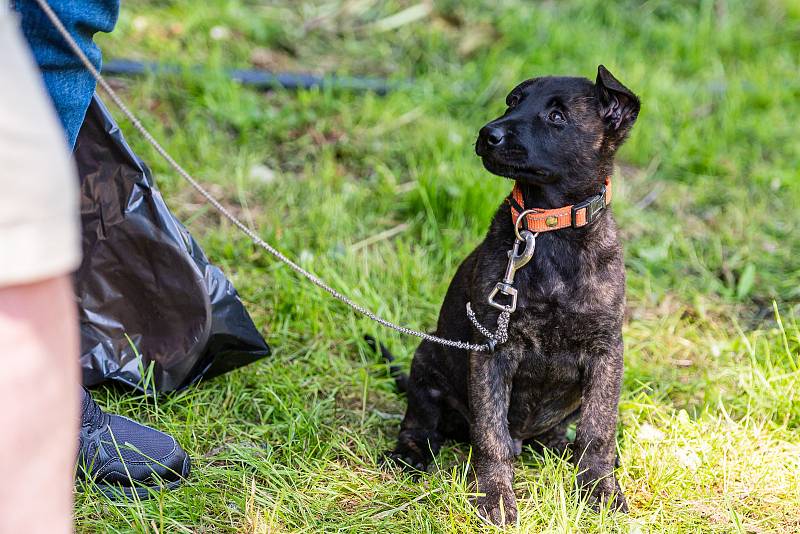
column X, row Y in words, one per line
column 707, row 195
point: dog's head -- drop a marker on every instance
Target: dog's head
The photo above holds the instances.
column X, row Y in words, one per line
column 558, row 129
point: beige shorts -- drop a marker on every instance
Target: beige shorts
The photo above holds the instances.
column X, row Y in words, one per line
column 39, row 219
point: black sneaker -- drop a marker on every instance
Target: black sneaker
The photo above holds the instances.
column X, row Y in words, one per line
column 125, row 459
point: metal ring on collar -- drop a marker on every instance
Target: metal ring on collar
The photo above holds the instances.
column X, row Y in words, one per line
column 521, row 218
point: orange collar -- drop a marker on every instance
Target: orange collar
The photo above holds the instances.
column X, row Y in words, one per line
column 572, row 216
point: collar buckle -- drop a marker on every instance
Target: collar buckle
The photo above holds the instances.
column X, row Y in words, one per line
column 593, row 206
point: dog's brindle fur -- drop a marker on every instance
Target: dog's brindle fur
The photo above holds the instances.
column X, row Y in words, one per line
column 563, row 358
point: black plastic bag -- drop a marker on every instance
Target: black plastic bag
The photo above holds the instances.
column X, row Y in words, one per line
column 146, row 291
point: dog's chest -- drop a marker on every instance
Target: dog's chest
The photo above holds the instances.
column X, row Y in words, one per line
column 549, row 347
column 551, row 344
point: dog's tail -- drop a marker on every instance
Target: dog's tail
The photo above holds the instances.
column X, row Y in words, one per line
column 400, row 378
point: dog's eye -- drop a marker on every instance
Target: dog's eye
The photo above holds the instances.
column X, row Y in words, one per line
column 512, row 101
column 556, row 117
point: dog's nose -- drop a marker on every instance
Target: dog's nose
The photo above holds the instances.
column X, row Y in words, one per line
column 494, row 135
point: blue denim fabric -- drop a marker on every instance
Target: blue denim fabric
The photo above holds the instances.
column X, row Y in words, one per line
column 70, row 85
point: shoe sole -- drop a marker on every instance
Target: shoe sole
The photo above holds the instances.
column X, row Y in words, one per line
column 142, row 493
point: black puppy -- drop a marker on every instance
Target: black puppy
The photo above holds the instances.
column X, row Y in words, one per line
column 562, row 361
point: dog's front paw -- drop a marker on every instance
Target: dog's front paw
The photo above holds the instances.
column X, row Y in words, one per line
column 603, row 491
column 497, row 504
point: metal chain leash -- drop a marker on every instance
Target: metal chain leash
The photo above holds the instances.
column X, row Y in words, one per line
column 485, row 347
column 500, row 335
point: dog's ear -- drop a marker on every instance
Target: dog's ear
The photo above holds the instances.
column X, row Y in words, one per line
column 619, row 107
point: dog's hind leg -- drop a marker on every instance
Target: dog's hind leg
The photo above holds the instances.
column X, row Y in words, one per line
column 419, row 440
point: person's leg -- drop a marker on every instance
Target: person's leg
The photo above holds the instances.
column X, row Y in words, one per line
column 38, row 393
column 39, row 245
column 69, row 84
column 119, row 456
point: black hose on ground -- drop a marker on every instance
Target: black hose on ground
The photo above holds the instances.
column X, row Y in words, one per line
column 258, row 79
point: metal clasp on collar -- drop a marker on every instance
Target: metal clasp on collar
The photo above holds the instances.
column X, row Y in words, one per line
column 516, row 260
column 594, row 206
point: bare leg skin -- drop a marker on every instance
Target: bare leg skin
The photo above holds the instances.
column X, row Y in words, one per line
column 39, row 400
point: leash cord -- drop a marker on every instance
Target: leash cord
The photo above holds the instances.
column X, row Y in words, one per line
column 500, row 335
column 230, row 216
